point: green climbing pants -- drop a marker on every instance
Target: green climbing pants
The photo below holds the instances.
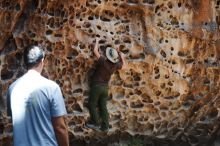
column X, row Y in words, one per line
column 98, row 97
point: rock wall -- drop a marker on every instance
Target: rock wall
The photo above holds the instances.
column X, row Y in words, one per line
column 170, row 88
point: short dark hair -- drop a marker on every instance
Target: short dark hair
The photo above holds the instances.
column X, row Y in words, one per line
column 33, row 55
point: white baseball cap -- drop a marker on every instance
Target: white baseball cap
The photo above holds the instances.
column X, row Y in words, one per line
column 112, row 54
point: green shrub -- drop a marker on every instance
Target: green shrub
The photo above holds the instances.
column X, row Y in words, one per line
column 135, row 142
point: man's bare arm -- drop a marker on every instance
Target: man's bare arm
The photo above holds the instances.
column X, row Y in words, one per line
column 61, row 131
column 123, row 60
column 96, row 49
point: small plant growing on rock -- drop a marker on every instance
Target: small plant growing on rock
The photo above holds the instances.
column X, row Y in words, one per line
column 135, row 142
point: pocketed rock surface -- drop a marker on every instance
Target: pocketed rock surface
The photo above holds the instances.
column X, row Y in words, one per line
column 170, row 88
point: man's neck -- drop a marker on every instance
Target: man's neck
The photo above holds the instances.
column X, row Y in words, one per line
column 36, row 69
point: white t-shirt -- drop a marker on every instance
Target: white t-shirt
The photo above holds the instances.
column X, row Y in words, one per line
column 33, row 100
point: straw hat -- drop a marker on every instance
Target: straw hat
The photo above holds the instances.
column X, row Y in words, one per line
column 112, row 54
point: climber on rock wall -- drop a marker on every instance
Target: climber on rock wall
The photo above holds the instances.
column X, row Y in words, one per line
column 98, row 95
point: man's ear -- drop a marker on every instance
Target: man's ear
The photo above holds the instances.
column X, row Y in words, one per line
column 42, row 61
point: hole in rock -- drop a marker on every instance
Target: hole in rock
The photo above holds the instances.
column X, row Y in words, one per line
column 157, row 103
column 104, row 19
column 173, row 62
column 49, row 32
column 87, row 24
column 124, row 103
column 190, row 60
column 78, row 90
column 58, row 35
column 6, row 74
column 156, row 70
column 146, row 98
column 157, row 93
column 76, row 107
column 157, row 76
column 90, row 18
column 157, row 8
column 115, row 4
column 170, row 5
column 163, row 107
column 138, row 92
column 136, row 77
column 102, row 41
column 181, row 54
column 76, row 64
column 163, row 53
column 137, row 104
column 163, row 85
column 213, row 113
column 133, row 1
column 78, row 129
column 99, row 27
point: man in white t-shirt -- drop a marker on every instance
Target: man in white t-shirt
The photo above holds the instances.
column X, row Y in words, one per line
column 36, row 105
